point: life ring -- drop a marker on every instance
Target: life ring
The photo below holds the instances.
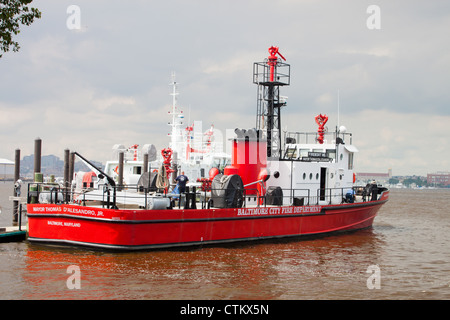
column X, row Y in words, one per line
column 354, row 177
column 116, row 170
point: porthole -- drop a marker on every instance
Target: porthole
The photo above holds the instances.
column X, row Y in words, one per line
column 310, row 176
column 304, row 176
column 276, row 174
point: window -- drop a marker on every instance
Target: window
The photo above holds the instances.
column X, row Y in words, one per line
column 303, row 153
column 291, row 153
column 350, row 161
column 137, row 169
column 331, row 153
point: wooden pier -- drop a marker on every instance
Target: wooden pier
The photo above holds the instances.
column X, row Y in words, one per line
column 13, row 234
column 17, row 232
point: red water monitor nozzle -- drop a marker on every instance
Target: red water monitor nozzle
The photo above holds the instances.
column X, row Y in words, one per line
column 321, row 120
column 272, row 60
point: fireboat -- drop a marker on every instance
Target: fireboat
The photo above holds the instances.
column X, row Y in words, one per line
column 302, row 184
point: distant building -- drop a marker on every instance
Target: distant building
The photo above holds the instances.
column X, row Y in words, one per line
column 438, row 178
column 378, row 177
column 6, row 169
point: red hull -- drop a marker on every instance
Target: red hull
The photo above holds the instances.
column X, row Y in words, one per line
column 146, row 229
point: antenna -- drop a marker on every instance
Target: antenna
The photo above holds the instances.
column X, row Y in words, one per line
column 338, row 105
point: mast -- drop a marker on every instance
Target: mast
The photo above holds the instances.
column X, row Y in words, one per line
column 270, row 75
column 176, row 141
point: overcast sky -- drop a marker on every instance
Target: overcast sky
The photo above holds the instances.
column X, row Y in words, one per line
column 107, row 82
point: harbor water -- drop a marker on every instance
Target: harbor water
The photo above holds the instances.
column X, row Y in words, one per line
column 406, row 255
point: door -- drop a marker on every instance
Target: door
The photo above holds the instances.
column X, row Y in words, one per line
column 323, row 179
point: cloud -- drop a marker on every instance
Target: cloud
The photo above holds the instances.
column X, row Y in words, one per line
column 110, row 83
column 325, row 99
column 103, row 104
column 376, row 52
column 407, row 143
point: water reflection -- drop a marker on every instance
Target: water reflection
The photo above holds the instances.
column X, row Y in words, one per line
column 409, row 242
column 281, row 270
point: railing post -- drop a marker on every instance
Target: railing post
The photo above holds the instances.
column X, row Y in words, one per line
column 20, row 217
column 114, row 197
column 145, row 193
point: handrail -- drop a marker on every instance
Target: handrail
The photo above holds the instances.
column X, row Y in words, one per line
column 292, row 197
column 305, row 137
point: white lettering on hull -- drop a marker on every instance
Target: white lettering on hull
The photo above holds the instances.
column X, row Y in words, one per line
column 279, row 210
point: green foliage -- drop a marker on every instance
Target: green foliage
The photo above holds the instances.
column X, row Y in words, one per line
column 393, row 181
column 416, row 180
column 12, row 14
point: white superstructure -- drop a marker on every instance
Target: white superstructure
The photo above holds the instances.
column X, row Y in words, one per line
column 194, row 152
column 319, row 172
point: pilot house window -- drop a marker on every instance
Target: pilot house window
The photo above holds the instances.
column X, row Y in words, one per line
column 331, row 153
column 291, row 153
column 350, row 161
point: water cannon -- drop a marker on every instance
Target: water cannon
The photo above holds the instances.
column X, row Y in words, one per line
column 273, row 53
column 321, row 120
column 273, row 60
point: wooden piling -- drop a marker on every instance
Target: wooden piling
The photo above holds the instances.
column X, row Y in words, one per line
column 15, row 221
column 38, row 176
column 37, row 155
column 71, row 167
column 66, row 174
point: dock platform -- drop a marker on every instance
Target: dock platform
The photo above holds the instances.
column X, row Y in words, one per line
column 13, row 234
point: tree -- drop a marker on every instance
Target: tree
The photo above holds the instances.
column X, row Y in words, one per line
column 393, row 181
column 13, row 13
